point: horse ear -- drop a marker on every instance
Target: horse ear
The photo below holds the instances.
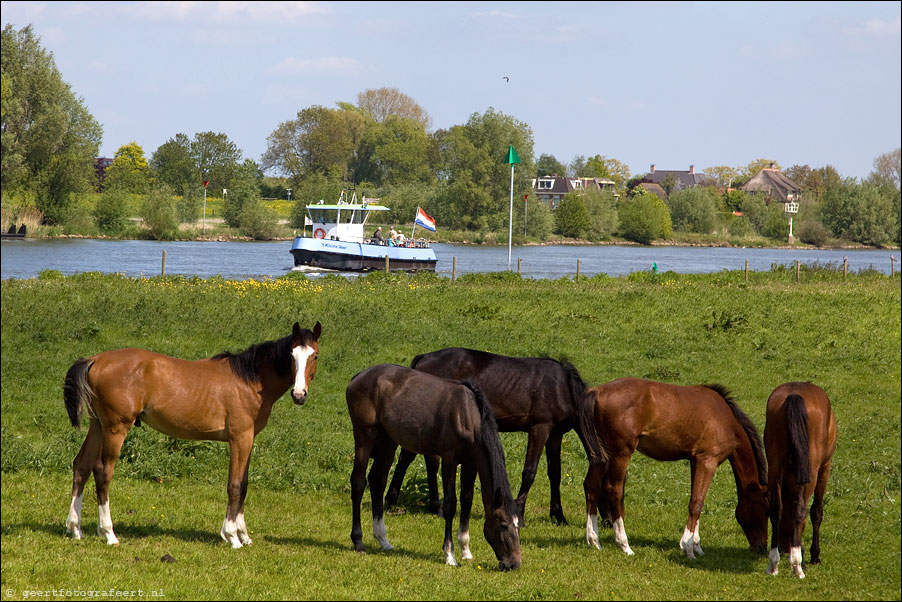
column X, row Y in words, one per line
column 317, row 330
column 296, row 330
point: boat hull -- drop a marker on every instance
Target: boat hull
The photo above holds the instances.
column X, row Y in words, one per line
column 360, row 257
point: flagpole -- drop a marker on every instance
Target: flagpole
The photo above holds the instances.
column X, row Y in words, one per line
column 414, row 223
column 510, row 222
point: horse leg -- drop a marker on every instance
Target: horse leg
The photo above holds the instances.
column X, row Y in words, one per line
column 702, row 471
column 432, row 467
column 592, row 486
column 239, row 455
column 538, row 436
column 243, row 534
column 84, row 462
column 553, row 460
column 817, row 513
column 103, row 474
column 467, row 481
column 775, row 510
column 358, row 485
column 449, row 485
column 394, row 488
column 612, row 488
column 383, row 454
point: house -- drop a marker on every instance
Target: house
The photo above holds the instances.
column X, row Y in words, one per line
column 551, row 189
column 673, row 180
column 775, row 186
column 100, row 165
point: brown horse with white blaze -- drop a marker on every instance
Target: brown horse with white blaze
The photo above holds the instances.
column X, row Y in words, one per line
column 799, row 439
column 667, row 422
column 227, row 397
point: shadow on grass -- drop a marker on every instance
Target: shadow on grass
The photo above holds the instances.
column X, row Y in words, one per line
column 340, row 547
column 123, row 532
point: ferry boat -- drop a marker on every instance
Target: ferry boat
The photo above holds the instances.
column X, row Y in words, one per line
column 339, row 241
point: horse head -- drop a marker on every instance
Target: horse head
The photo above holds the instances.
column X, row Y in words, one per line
column 502, row 531
column 752, row 516
column 304, row 351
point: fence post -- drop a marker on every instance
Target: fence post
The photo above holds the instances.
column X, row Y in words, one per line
column 798, row 268
column 387, row 271
column 746, row 271
column 164, row 265
column 454, row 268
column 577, row 270
column 892, row 266
column 845, row 266
column 519, row 266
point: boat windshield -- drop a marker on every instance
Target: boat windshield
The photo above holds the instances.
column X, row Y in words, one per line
column 341, row 215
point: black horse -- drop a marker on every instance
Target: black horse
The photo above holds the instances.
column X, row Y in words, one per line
column 392, row 405
column 540, row 396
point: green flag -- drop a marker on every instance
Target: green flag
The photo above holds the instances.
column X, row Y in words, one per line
column 512, row 156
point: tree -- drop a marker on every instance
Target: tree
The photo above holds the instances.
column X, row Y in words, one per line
column 310, row 190
column 159, row 212
column 603, row 218
column 644, row 217
column 49, row 139
column 111, row 211
column 129, row 170
column 548, row 165
column 693, row 210
column 397, row 151
column 724, row 176
column 382, row 103
column 243, row 192
column 888, row 169
column 216, row 158
column 319, row 140
column 173, row 165
column 572, row 216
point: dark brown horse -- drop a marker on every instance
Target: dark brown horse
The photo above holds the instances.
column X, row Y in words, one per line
column 224, row 398
column 669, row 422
column 392, row 405
column 540, row 396
column 799, row 439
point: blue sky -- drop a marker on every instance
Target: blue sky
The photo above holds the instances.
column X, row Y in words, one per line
column 669, row 83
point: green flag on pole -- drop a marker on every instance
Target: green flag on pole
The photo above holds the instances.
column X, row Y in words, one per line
column 512, row 156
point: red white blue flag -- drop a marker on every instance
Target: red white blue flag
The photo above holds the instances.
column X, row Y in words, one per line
column 424, row 220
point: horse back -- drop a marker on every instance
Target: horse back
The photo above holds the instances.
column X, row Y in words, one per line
column 522, row 391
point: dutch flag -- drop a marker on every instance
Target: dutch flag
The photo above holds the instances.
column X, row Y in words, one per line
column 424, row 220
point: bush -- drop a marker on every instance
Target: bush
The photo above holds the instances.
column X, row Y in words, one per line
column 572, row 217
column 111, row 211
column 693, row 210
column 644, row 217
column 258, row 221
column 813, row 233
column 159, row 213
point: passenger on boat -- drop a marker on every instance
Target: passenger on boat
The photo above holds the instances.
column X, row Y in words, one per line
column 377, row 236
column 401, row 240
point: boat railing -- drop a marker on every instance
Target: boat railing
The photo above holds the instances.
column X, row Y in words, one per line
column 420, row 243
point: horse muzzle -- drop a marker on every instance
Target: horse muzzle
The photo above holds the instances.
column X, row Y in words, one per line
column 299, row 398
column 509, row 565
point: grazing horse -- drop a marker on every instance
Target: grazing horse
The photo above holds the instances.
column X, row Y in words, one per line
column 799, row 439
column 224, row 398
column 540, row 396
column 668, row 422
column 392, row 405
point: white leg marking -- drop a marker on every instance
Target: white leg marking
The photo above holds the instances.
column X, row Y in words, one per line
column 463, row 538
column 73, row 521
column 105, row 524
column 242, row 530
column 795, row 562
column 229, row 532
column 300, row 355
column 696, row 541
column 448, row 549
column 686, row 544
column 620, row 537
column 592, row 530
column 773, row 559
column 380, row 534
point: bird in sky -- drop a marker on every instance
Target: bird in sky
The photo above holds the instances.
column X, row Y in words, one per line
column 507, row 79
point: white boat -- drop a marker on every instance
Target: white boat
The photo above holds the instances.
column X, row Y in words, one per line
column 339, row 241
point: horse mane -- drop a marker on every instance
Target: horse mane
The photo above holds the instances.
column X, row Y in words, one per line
column 491, row 441
column 749, row 427
column 797, row 425
column 246, row 365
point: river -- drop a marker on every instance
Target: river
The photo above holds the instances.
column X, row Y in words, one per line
column 241, row 260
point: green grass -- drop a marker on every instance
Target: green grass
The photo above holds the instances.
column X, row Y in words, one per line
column 168, row 496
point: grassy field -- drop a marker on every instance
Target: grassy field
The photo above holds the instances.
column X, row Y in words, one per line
column 168, row 497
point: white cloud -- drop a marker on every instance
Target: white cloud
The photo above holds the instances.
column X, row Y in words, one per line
column 875, row 28
column 231, row 11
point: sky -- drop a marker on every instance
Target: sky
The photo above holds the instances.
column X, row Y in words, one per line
column 667, row 83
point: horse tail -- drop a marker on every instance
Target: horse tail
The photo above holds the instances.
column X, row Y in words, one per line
column 584, row 406
column 491, row 442
column 416, row 360
column 797, row 424
column 749, row 427
column 76, row 390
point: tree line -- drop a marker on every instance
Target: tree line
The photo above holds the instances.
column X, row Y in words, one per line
column 384, row 145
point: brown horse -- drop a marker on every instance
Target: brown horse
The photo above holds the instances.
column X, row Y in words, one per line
column 537, row 395
column 668, row 422
column 799, row 439
column 224, row 398
column 392, row 405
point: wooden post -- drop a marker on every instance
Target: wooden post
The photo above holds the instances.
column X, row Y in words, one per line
column 798, row 269
column 164, row 265
column 845, row 266
column 746, row 271
column 387, row 271
column 892, row 266
column 519, row 266
column 577, row 270
column 454, row 268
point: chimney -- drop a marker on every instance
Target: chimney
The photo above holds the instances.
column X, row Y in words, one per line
column 652, row 168
column 692, row 170
column 772, row 165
